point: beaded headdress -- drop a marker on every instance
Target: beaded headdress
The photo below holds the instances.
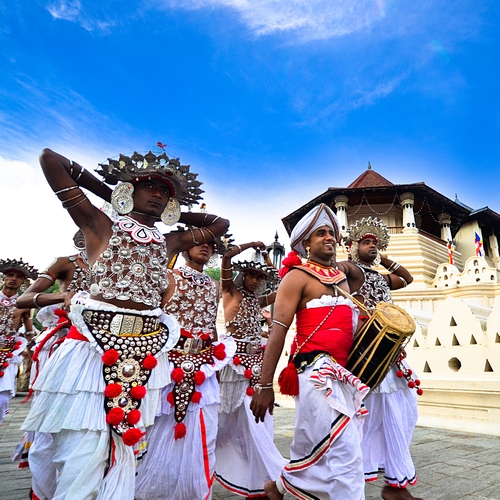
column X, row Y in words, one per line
column 370, row 227
column 18, row 266
column 182, row 182
column 270, row 275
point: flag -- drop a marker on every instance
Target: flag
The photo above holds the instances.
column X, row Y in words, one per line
column 449, row 246
column 479, row 244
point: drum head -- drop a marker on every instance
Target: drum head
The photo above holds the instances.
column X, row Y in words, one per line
column 396, row 317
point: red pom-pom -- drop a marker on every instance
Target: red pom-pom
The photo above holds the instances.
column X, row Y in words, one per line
column 420, row 391
column 399, row 374
column 17, row 345
column 2, row 374
column 250, row 391
column 248, row 373
column 411, row 384
column 138, row 392
column 410, row 372
column 196, row 398
column 220, row 352
column 10, row 355
column 292, row 259
column 236, row 361
column 5, row 364
column 289, row 380
column 179, row 430
column 177, row 375
column 133, row 416
column 170, row 398
column 110, row 357
column 113, row 390
column 417, row 382
column 149, row 362
column 199, row 377
column 115, row 416
column 131, row 437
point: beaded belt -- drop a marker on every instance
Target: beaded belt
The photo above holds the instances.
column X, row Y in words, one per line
column 7, row 343
column 120, row 324
column 248, row 347
column 192, row 345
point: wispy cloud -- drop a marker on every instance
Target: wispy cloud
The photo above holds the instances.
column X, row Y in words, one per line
column 91, row 17
column 307, row 19
column 69, row 10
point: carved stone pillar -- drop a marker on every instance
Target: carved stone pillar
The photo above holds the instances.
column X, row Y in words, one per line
column 445, row 222
column 409, row 225
column 341, row 206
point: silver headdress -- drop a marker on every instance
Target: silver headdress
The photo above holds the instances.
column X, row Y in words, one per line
column 270, row 275
column 18, row 266
column 184, row 188
column 182, row 182
column 365, row 228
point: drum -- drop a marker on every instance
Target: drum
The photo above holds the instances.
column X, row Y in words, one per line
column 376, row 345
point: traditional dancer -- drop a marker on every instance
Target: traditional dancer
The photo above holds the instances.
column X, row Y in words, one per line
column 180, row 458
column 246, row 454
column 12, row 343
column 392, row 405
column 325, row 455
column 70, row 272
column 105, row 381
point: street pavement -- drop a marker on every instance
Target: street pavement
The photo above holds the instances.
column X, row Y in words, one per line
column 450, row 465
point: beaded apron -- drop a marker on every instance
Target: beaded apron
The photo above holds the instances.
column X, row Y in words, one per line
column 194, row 304
column 130, row 343
column 249, row 350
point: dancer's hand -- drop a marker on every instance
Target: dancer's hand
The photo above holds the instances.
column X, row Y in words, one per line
column 262, row 403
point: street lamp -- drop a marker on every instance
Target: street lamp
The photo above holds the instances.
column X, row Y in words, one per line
column 276, row 251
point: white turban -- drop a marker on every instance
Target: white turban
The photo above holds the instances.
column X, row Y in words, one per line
column 320, row 215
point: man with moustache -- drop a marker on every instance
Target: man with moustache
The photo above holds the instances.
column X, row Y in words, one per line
column 325, row 454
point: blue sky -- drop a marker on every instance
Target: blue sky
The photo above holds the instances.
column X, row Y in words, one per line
column 272, row 102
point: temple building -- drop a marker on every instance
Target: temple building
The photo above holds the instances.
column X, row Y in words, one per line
column 452, row 251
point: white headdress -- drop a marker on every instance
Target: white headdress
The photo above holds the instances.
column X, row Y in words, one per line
column 320, row 215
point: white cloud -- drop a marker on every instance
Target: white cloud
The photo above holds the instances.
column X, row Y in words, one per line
column 69, row 10
column 34, row 226
column 308, row 19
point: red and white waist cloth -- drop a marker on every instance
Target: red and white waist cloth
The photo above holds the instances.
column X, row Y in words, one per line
column 90, row 367
column 327, row 349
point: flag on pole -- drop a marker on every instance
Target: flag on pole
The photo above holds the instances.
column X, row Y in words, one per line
column 479, row 244
column 449, row 245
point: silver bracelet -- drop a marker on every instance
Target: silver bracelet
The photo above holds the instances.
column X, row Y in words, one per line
column 405, row 284
column 281, row 324
column 66, row 189
column 259, row 387
column 34, row 300
column 80, row 174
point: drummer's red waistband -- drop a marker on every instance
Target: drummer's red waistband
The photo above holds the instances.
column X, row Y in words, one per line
column 335, row 335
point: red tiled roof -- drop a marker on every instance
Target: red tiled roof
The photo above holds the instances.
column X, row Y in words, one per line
column 369, row 178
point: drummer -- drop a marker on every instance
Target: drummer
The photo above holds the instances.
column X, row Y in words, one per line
column 392, row 405
column 326, row 460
